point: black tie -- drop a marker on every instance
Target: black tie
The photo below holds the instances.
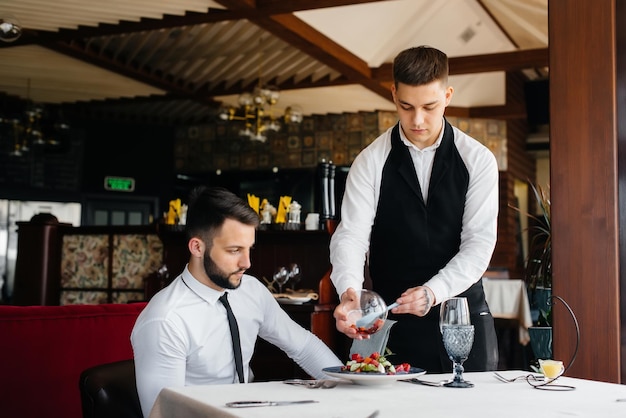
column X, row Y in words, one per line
column 234, row 334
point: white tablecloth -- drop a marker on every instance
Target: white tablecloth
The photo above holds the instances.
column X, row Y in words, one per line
column 508, row 299
column 488, row 398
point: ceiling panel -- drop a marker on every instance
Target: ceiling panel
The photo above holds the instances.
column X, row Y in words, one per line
column 175, row 53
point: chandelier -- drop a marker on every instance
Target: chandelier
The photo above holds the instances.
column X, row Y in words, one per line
column 10, row 28
column 256, row 110
column 32, row 128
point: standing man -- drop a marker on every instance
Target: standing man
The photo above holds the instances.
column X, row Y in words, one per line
column 421, row 205
column 183, row 336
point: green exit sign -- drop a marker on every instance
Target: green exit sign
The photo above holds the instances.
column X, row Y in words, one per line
column 119, row 184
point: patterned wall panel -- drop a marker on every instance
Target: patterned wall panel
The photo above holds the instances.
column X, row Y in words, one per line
column 107, row 268
column 332, row 137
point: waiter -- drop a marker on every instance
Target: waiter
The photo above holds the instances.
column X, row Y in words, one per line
column 420, row 214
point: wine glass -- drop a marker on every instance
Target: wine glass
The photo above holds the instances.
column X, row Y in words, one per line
column 458, row 337
column 281, row 276
column 295, row 275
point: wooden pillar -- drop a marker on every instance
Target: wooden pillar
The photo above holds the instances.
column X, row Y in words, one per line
column 584, row 183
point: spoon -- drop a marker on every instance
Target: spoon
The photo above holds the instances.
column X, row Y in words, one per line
column 367, row 319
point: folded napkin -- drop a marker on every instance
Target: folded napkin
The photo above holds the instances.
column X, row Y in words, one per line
column 376, row 343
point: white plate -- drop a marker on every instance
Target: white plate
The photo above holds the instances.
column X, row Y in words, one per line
column 293, row 300
column 372, row 379
column 295, row 297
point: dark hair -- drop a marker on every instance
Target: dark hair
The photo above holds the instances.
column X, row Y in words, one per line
column 420, row 65
column 209, row 207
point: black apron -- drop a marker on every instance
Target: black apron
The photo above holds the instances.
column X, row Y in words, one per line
column 411, row 241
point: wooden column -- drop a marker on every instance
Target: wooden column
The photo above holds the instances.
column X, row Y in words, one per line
column 584, row 183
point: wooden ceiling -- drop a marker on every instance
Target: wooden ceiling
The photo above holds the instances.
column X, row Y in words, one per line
column 177, row 60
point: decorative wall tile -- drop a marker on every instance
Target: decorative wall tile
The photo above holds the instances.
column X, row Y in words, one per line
column 249, row 161
column 340, row 157
column 370, row 120
column 263, row 160
column 308, row 124
column 309, row 158
column 329, row 137
column 323, row 140
column 294, row 143
column 355, row 122
column 234, row 162
column 294, row 159
column 308, row 141
column 340, row 141
column 386, row 120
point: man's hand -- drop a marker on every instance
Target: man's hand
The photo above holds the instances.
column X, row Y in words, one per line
column 416, row 300
column 349, row 302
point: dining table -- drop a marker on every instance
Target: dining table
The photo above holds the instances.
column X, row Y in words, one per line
column 489, row 397
column 508, row 299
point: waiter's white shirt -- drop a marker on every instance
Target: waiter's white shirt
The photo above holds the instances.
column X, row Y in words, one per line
column 350, row 242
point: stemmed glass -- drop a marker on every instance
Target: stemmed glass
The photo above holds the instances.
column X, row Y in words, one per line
column 281, row 276
column 458, row 337
column 294, row 275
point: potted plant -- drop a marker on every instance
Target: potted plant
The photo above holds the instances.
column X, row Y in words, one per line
column 538, row 273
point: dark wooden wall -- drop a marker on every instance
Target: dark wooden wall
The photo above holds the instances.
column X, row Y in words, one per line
column 620, row 15
column 521, row 167
column 584, row 178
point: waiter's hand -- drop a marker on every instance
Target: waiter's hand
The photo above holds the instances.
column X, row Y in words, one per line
column 350, row 301
column 416, row 300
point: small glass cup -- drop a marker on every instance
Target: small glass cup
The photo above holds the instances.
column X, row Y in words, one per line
column 551, row 368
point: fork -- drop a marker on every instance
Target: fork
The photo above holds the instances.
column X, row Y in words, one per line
column 313, row 384
column 513, row 379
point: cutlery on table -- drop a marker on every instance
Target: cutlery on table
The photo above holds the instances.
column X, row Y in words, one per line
column 370, row 317
column 514, row 379
column 426, row 382
column 313, row 384
column 248, row 404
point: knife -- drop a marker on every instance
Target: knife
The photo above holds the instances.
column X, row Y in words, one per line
column 425, row 382
column 248, row 404
column 371, row 316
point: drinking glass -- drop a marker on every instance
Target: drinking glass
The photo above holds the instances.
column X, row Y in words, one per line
column 294, row 275
column 281, row 276
column 368, row 314
column 458, row 337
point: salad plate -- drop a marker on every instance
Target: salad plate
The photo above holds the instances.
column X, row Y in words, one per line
column 372, row 379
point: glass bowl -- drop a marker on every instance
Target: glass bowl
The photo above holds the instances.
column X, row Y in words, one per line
column 370, row 315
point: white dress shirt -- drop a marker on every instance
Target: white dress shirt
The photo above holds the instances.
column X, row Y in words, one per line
column 182, row 337
column 350, row 242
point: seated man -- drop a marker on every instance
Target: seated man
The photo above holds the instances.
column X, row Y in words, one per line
column 183, row 337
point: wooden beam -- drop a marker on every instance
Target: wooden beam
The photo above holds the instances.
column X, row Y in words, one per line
column 282, row 6
column 505, row 112
column 504, row 61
